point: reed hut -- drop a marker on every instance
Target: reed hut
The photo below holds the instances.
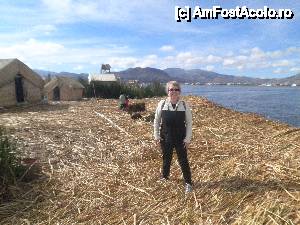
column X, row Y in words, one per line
column 19, row 83
column 109, row 78
column 63, row 89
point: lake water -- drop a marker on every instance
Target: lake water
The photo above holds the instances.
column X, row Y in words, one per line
column 275, row 103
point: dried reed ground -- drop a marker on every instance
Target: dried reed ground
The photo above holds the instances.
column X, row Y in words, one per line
column 246, row 169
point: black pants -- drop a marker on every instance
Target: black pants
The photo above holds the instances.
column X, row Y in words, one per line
column 167, row 152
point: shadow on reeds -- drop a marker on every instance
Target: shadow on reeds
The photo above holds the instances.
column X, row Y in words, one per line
column 237, row 184
column 19, row 198
column 35, row 108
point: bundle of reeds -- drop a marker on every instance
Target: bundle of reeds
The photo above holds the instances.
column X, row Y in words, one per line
column 136, row 107
column 101, row 167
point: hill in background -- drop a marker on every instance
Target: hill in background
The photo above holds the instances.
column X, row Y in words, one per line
column 45, row 74
column 145, row 74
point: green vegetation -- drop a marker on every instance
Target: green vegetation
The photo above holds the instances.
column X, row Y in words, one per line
column 114, row 90
column 10, row 164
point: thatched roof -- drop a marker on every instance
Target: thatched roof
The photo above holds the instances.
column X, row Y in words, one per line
column 102, row 77
column 5, row 62
column 63, row 81
column 9, row 68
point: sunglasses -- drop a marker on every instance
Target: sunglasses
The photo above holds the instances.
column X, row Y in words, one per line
column 174, row 89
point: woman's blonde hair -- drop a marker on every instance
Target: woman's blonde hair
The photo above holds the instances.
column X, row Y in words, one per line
column 174, row 84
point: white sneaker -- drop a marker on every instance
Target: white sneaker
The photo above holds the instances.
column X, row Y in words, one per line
column 188, row 188
column 163, row 180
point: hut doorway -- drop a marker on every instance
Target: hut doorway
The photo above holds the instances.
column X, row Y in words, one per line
column 56, row 94
column 19, row 88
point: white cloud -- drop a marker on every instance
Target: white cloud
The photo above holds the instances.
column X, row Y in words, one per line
column 31, row 49
column 257, row 54
column 295, row 69
column 59, row 5
column 275, row 54
column 46, row 54
column 143, row 14
column 240, row 67
column 167, row 48
column 78, row 67
column 280, row 71
column 255, row 59
column 210, row 67
column 149, row 61
column 169, row 58
column 281, row 53
column 50, row 54
column 45, row 29
column 293, row 49
column 229, row 62
column 60, row 10
column 213, row 59
column 120, row 63
column 283, row 62
column 184, row 55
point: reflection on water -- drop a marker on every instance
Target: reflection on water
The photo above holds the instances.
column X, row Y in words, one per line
column 276, row 103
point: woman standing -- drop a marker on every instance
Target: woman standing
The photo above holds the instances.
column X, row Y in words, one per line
column 173, row 129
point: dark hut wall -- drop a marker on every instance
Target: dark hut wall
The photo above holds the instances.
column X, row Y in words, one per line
column 67, row 94
column 70, row 94
column 32, row 93
column 8, row 95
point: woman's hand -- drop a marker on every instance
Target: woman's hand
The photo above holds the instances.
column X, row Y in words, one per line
column 157, row 142
column 186, row 144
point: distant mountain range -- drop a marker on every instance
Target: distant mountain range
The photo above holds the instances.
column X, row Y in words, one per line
column 184, row 76
column 45, row 74
column 204, row 77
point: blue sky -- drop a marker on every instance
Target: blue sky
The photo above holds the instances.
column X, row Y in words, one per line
column 79, row 35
